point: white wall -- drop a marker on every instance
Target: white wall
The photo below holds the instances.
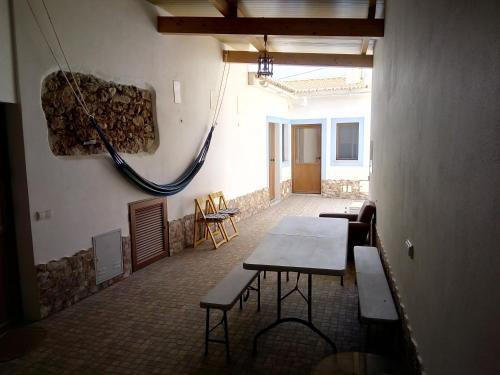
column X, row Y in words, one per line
column 339, row 107
column 7, row 87
column 118, row 40
column 436, row 175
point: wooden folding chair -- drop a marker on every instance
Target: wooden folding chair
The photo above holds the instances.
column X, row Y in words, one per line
column 221, row 207
column 206, row 216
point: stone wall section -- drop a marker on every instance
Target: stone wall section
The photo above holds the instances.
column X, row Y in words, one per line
column 66, row 281
column 285, row 188
column 344, row 189
column 124, row 112
column 250, row 204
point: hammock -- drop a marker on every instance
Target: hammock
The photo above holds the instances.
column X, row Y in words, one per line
column 126, row 170
column 146, row 185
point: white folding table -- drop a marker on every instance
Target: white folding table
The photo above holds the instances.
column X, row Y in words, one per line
column 309, row 245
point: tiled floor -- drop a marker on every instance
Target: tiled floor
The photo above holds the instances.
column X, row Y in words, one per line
column 152, row 322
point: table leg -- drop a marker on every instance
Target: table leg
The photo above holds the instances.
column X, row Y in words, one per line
column 278, row 308
column 309, row 298
column 307, row 323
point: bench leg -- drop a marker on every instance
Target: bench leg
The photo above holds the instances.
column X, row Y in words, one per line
column 241, row 302
column 265, row 274
column 226, row 335
column 207, row 331
column 258, row 291
column 342, row 280
column 367, row 344
column 287, row 276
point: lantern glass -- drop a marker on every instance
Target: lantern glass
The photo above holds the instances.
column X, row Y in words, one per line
column 265, row 65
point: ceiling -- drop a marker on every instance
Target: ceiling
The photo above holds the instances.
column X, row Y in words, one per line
column 285, row 9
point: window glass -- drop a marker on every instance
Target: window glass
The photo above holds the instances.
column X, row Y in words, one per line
column 285, row 140
column 347, row 141
column 307, row 145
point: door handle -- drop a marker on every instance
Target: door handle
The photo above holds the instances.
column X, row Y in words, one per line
column 272, row 160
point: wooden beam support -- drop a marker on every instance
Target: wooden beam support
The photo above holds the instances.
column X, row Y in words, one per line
column 315, row 59
column 347, row 27
column 228, row 8
column 364, row 46
column 372, row 7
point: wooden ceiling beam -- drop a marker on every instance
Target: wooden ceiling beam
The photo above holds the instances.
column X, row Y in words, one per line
column 346, row 27
column 372, row 7
column 315, row 59
column 229, row 8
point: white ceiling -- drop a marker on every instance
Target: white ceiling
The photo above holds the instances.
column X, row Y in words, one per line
column 284, row 9
column 276, row 8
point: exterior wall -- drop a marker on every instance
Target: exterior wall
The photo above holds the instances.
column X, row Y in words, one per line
column 435, row 126
column 7, row 85
column 329, row 109
column 85, row 194
column 340, row 179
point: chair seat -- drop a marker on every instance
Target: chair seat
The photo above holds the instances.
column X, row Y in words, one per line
column 229, row 211
column 216, row 217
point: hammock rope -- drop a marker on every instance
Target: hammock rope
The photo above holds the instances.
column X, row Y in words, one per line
column 120, row 164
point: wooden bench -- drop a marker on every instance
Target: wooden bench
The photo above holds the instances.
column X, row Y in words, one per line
column 375, row 299
column 223, row 297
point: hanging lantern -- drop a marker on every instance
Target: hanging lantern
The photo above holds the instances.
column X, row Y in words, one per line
column 265, row 62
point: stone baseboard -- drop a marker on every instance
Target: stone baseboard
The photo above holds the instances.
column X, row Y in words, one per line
column 285, row 188
column 66, row 281
column 409, row 350
column 345, row 189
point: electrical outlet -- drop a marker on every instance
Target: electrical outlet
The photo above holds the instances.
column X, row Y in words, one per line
column 43, row 215
column 410, row 249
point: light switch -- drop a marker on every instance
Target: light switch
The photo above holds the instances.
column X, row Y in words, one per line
column 177, row 92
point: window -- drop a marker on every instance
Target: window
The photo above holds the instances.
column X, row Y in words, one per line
column 285, row 141
column 347, row 136
column 347, row 141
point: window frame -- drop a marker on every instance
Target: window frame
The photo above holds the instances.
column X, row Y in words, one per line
column 334, row 142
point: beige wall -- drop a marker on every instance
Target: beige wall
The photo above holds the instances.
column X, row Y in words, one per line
column 436, row 133
column 117, row 40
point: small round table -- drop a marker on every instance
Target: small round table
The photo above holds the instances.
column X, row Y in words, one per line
column 354, row 363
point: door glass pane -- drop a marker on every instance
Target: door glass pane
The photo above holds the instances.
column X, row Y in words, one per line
column 307, row 145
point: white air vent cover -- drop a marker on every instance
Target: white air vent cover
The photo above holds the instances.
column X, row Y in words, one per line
column 108, row 255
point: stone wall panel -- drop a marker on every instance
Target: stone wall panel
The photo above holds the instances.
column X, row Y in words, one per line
column 124, row 112
column 343, row 189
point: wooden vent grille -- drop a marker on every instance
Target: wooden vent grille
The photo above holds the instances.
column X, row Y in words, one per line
column 148, row 231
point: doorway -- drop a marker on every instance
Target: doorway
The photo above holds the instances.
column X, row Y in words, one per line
column 274, row 176
column 306, row 159
column 10, row 302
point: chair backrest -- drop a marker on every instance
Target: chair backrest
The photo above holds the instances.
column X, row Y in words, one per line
column 203, row 206
column 218, row 200
column 366, row 212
